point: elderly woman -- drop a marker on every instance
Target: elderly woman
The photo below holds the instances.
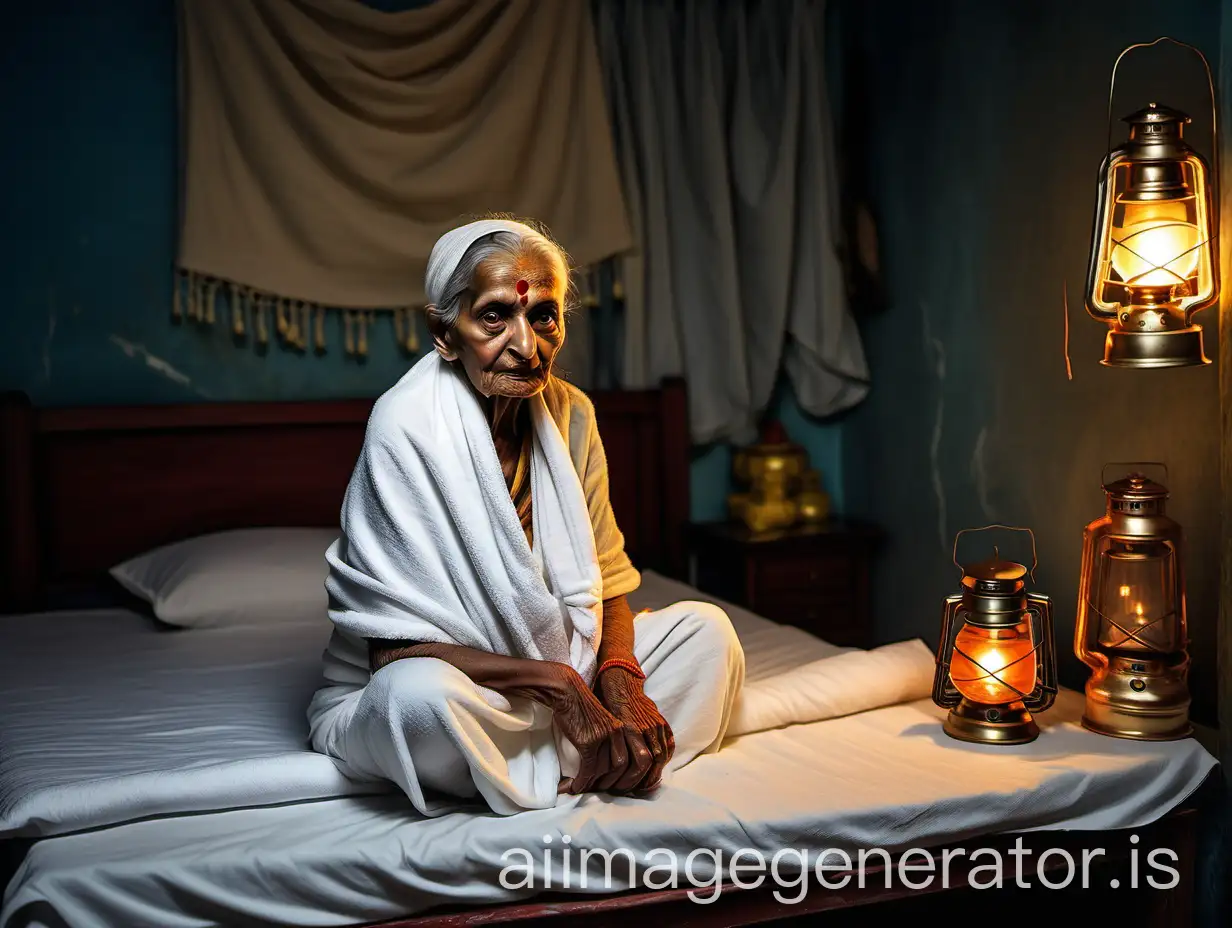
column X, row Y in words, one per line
column 483, row 646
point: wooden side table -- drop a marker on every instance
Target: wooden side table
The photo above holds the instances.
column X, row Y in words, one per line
column 816, row 578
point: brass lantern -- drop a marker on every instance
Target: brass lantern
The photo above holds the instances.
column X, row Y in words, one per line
column 1153, row 263
column 1131, row 628
column 996, row 659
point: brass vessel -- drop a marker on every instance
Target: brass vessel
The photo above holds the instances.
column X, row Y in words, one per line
column 813, row 502
column 777, row 487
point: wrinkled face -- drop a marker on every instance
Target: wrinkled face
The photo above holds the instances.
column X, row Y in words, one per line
column 508, row 336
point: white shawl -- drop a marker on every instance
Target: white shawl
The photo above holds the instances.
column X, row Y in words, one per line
column 432, row 549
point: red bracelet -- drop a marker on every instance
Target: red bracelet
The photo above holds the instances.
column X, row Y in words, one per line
column 621, row 662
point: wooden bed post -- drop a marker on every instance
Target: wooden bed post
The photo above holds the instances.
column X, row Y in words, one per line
column 19, row 573
column 675, row 446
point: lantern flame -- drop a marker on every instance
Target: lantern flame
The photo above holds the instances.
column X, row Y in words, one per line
column 1157, row 252
column 991, row 669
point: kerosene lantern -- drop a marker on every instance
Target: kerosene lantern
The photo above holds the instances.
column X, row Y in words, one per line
column 1131, row 628
column 996, row 659
column 1153, row 264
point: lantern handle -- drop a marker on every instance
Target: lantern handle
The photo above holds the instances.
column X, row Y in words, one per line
column 1011, row 528
column 1210, row 83
column 1103, row 478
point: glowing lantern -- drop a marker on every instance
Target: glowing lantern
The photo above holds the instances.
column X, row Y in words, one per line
column 996, row 660
column 1153, row 263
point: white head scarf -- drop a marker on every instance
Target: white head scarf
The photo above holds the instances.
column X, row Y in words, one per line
column 451, row 246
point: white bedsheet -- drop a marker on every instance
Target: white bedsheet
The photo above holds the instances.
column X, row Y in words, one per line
column 151, row 721
column 886, row 778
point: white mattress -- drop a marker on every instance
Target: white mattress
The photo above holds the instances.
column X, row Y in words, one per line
column 151, row 720
column 886, row 778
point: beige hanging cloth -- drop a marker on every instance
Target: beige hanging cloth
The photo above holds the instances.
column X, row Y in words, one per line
column 328, row 144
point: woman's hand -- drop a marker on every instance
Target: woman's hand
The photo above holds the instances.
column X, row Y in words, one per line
column 651, row 743
column 610, row 752
column 596, row 733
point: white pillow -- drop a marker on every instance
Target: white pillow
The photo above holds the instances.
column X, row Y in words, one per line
column 239, row 577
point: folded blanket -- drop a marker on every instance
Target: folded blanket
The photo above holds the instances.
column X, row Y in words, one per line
column 836, row 686
column 432, row 548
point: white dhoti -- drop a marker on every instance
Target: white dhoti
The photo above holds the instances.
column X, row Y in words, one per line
column 422, row 724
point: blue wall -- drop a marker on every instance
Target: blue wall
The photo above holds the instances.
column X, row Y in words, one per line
column 89, row 159
column 90, row 166
column 986, row 126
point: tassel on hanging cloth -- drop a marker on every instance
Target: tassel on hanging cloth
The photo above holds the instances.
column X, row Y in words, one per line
column 297, row 324
column 211, row 299
column 405, row 330
column 177, row 296
column 257, row 301
column 194, row 305
column 412, row 331
column 237, row 310
column 203, row 295
column 365, row 319
column 299, row 313
column 289, row 312
column 348, row 323
column 196, row 301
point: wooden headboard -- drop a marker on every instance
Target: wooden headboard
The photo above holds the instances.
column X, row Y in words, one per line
column 84, row 488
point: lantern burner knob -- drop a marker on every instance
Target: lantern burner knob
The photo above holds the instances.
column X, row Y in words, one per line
column 1154, row 122
column 1004, row 574
column 1136, row 494
column 994, row 590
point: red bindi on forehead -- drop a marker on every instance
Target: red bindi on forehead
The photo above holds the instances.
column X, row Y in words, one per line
column 523, row 275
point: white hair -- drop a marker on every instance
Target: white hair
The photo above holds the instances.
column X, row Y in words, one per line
column 450, row 287
column 460, row 283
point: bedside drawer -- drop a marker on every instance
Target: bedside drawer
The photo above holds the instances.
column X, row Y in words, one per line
column 837, row 620
column 821, row 576
column 810, row 607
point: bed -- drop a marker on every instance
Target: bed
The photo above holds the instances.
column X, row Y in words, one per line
column 108, row 817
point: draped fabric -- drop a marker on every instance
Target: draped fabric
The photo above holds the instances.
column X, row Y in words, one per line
column 725, row 149
column 519, row 486
column 327, row 145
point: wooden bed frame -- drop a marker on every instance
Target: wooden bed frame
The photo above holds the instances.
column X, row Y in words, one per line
column 83, row 488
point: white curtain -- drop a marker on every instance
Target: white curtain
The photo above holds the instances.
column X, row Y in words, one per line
column 726, row 154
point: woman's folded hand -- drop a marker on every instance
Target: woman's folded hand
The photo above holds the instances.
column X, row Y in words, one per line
column 596, row 733
column 607, row 752
column 651, row 743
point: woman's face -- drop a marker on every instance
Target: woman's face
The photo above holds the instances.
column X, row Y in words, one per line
column 508, row 337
